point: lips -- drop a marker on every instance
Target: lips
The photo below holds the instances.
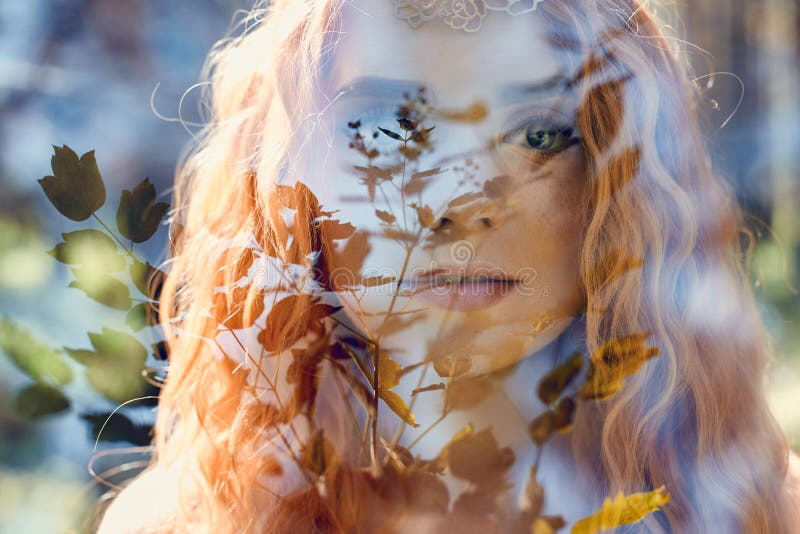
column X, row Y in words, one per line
column 459, row 288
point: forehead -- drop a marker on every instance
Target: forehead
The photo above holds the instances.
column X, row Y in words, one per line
column 457, row 66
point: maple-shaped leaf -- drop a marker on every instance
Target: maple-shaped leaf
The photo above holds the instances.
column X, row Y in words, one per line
column 138, row 214
column 556, row 381
column 76, row 187
column 39, row 400
column 114, row 367
column 478, row 458
column 623, row 510
column 335, row 230
column 91, row 249
column 103, row 288
column 613, row 363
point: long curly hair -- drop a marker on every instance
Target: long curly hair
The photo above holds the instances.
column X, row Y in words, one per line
column 663, row 253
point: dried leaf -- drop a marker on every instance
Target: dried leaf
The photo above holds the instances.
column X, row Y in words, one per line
column 407, row 124
column 348, row 262
column 389, row 371
column 396, row 403
column 138, row 214
column 623, row 510
column 477, row 458
column 425, row 215
column 433, row 387
column 385, row 216
column 333, row 230
column 552, row 421
column 374, row 281
column 475, row 113
column 533, row 498
column 319, row 454
column 236, row 312
column 76, row 188
column 286, row 323
column 390, row 133
column 613, row 363
column 466, row 392
column 554, row 383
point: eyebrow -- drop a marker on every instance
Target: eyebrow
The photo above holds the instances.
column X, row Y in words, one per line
column 393, row 88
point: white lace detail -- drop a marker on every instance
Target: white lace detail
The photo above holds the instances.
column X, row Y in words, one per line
column 464, row 15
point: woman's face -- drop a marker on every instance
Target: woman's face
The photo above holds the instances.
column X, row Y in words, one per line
column 480, row 255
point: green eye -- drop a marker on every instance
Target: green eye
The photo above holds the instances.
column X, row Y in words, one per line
column 549, row 140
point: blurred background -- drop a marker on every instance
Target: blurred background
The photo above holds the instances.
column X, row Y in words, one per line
column 109, row 75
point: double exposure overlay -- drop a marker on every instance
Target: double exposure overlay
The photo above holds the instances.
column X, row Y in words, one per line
column 432, row 266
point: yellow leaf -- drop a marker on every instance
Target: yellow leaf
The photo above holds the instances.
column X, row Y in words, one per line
column 622, row 511
column 396, row 403
column 613, row 363
column 389, row 371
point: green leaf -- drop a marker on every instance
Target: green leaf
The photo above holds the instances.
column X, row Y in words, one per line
column 114, row 367
column 147, row 279
column 139, row 215
column 33, row 357
column 102, row 288
column 91, row 249
column 117, row 427
column 76, row 188
column 142, row 315
column 39, row 400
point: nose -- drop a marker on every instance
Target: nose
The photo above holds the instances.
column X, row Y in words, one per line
column 473, row 212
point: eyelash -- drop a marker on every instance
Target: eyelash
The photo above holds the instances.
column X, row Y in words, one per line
column 548, row 124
